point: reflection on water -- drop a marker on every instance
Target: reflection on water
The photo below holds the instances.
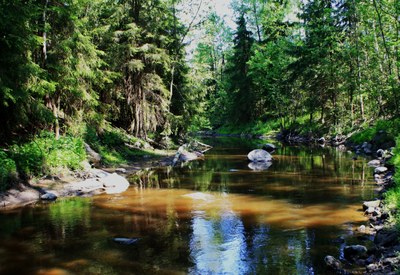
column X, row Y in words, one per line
column 213, row 216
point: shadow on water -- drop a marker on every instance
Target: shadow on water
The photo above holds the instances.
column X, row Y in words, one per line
column 213, row 216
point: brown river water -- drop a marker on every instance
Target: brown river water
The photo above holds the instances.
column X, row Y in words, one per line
column 211, row 216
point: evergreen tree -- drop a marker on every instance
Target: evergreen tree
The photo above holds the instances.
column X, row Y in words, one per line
column 239, row 83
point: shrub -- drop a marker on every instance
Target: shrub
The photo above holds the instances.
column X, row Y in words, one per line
column 45, row 154
column 8, row 171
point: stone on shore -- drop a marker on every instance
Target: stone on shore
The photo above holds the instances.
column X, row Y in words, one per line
column 386, row 237
column 380, row 170
column 374, row 163
column 48, row 196
column 373, row 204
column 333, row 263
column 354, row 252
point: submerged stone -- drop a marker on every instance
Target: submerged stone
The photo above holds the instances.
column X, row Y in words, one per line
column 125, row 241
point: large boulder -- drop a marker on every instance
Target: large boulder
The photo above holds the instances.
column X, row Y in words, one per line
column 259, row 155
column 114, row 183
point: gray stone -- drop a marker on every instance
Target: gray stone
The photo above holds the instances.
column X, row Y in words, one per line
column 48, row 197
column 380, row 170
column 353, row 252
column 386, row 237
column 333, row 263
column 373, row 204
column 259, row 155
column 361, row 228
column 114, row 183
column 321, row 140
column 125, row 241
column 188, row 156
column 120, row 170
column 374, row 163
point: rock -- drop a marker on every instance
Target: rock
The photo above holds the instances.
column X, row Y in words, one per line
column 110, row 183
column 259, row 155
column 380, row 153
column 93, row 156
column 188, row 156
column 114, row 183
column 259, row 166
column 373, row 204
column 362, row 229
column 374, row 163
column 125, row 241
column 321, row 141
column 333, row 263
column 354, row 252
column 386, row 237
column 48, row 197
column 380, row 170
column 120, row 170
column 269, row 147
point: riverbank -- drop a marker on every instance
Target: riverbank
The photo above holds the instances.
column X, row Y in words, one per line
column 377, row 248
column 83, row 183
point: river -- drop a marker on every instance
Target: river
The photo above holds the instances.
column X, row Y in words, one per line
column 211, row 216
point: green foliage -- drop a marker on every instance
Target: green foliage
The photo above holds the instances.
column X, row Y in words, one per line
column 391, row 128
column 8, row 171
column 45, row 155
column 392, row 196
column 116, row 146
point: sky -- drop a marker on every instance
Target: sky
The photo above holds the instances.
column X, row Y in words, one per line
column 223, row 9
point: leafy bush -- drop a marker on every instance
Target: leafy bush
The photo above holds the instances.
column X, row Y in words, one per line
column 45, row 154
column 8, row 171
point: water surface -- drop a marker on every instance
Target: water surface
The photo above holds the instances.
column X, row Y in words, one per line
column 212, row 216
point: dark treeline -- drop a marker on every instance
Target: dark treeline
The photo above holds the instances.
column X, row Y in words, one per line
column 69, row 63
column 329, row 65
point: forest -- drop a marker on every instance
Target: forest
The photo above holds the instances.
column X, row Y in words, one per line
column 108, row 72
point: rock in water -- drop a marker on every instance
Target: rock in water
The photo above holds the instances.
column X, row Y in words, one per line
column 259, row 166
column 373, row 204
column 125, row 241
column 259, row 155
column 333, row 263
column 114, row 183
column 48, row 197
